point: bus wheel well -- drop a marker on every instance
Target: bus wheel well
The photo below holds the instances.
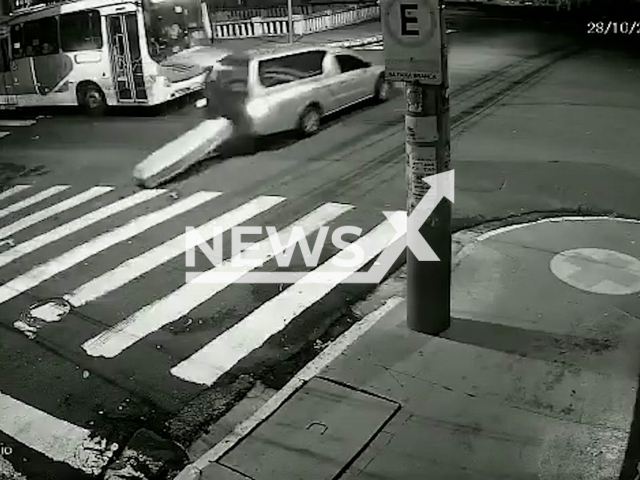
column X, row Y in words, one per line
column 91, row 97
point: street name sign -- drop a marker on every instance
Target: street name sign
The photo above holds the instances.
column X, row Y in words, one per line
column 412, row 40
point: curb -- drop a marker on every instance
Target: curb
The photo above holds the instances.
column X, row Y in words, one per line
column 356, row 42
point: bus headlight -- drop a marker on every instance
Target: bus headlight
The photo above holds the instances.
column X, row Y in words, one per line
column 257, row 108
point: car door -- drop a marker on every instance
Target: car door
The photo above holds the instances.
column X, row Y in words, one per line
column 353, row 78
column 288, row 84
column 332, row 79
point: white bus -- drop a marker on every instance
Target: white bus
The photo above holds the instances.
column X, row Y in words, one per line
column 95, row 53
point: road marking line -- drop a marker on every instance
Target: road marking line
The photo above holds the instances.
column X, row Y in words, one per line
column 225, row 351
column 4, row 134
column 13, row 190
column 150, row 259
column 181, row 301
column 17, row 123
column 45, row 271
column 372, row 46
column 27, row 202
column 53, row 210
column 76, row 225
column 57, row 439
column 309, row 371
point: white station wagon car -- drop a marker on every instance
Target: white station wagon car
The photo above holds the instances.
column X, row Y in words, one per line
column 270, row 91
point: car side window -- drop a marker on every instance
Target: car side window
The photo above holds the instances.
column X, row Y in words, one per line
column 281, row 70
column 349, row 63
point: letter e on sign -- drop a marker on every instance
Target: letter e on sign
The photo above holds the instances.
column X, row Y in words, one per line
column 407, row 16
column 412, row 40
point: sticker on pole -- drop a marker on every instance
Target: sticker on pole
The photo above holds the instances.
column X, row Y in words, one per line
column 412, row 40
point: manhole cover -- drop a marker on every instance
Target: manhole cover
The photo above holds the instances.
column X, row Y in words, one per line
column 40, row 314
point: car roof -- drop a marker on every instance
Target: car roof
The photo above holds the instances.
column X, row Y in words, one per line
column 261, row 53
column 280, row 50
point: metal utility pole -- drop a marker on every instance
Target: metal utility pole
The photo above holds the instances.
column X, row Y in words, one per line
column 416, row 52
column 290, row 19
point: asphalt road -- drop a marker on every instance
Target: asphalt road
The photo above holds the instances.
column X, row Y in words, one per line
column 111, row 381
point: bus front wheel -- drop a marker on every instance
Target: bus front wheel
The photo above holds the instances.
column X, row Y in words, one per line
column 91, row 99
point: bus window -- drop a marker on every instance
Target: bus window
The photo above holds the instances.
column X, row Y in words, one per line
column 80, row 31
column 172, row 28
column 41, row 37
column 17, row 43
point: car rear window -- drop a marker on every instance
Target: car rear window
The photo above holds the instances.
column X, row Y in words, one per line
column 277, row 71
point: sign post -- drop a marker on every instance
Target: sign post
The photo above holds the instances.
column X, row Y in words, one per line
column 415, row 53
column 290, row 20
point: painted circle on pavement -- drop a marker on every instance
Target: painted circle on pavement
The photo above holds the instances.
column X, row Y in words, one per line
column 598, row 271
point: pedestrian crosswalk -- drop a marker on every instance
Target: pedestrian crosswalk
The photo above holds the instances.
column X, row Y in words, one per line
column 66, row 249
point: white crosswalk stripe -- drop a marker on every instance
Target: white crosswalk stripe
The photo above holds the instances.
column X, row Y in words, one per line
column 13, row 190
column 34, row 218
column 75, row 226
column 14, row 123
column 49, row 222
column 37, row 198
column 55, row 438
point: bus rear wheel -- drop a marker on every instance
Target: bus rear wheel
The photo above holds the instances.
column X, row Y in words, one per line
column 92, row 100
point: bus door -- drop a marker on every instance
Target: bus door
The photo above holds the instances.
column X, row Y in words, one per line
column 126, row 58
column 7, row 97
column 21, row 68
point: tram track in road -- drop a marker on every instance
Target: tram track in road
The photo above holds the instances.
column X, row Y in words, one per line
column 467, row 103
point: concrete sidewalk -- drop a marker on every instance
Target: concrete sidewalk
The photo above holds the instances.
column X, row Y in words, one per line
column 353, row 35
column 535, row 379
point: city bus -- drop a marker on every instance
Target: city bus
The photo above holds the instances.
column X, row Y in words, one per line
column 99, row 53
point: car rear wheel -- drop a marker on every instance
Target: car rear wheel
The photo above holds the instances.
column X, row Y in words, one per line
column 309, row 122
column 383, row 88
